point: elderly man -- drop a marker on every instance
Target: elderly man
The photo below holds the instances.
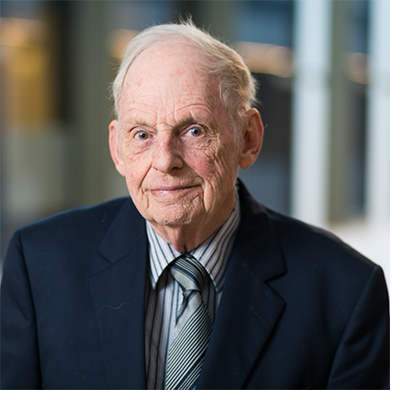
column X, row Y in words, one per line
column 189, row 283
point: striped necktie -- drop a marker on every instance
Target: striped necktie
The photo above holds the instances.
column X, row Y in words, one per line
column 186, row 353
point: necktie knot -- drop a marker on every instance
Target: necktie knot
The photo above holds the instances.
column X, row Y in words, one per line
column 189, row 273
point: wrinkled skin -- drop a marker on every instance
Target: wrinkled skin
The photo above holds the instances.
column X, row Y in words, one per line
column 175, row 145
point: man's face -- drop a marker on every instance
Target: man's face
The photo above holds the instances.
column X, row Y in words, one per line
column 176, row 146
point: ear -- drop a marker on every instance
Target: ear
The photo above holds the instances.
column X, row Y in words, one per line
column 253, row 132
column 115, row 149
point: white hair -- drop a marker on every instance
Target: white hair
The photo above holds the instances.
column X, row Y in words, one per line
column 237, row 87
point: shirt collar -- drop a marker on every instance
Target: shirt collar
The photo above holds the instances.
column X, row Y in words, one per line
column 213, row 253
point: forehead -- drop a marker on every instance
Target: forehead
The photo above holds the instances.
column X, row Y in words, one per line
column 168, row 78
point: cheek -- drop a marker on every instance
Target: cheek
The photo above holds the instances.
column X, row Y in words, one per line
column 217, row 168
column 137, row 168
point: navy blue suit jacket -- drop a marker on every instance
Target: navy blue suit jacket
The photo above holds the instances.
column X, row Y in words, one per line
column 300, row 309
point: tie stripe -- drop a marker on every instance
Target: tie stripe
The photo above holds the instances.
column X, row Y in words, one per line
column 186, row 353
column 192, row 269
column 163, row 302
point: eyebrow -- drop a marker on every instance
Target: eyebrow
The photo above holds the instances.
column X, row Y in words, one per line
column 180, row 123
column 190, row 120
column 202, row 118
column 132, row 122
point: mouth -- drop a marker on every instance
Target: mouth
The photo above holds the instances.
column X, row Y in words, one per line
column 174, row 193
column 170, row 190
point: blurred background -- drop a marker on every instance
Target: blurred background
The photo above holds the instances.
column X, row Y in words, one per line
column 323, row 73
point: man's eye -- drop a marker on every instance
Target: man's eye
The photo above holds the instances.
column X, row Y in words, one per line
column 141, row 135
column 195, row 131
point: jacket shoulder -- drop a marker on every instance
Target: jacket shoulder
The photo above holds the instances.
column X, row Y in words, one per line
column 306, row 239
column 86, row 221
column 299, row 243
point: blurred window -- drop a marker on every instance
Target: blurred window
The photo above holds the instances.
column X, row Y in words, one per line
column 58, row 58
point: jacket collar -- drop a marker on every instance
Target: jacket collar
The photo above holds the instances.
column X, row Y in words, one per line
column 249, row 308
column 118, row 290
column 248, row 311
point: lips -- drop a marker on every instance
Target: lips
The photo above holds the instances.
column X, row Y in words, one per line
column 166, row 192
column 170, row 189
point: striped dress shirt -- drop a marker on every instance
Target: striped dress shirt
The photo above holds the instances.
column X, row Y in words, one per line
column 164, row 295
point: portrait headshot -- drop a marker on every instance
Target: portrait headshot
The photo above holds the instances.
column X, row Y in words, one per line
column 195, row 195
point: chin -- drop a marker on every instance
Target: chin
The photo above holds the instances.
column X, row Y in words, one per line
column 174, row 217
column 183, row 213
column 173, row 221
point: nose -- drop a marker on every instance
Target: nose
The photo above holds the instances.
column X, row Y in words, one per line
column 167, row 153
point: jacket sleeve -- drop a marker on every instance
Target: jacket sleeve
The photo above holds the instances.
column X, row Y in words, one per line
column 363, row 356
column 20, row 368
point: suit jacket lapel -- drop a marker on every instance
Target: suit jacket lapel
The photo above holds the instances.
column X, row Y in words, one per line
column 248, row 311
column 118, row 291
column 249, row 308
